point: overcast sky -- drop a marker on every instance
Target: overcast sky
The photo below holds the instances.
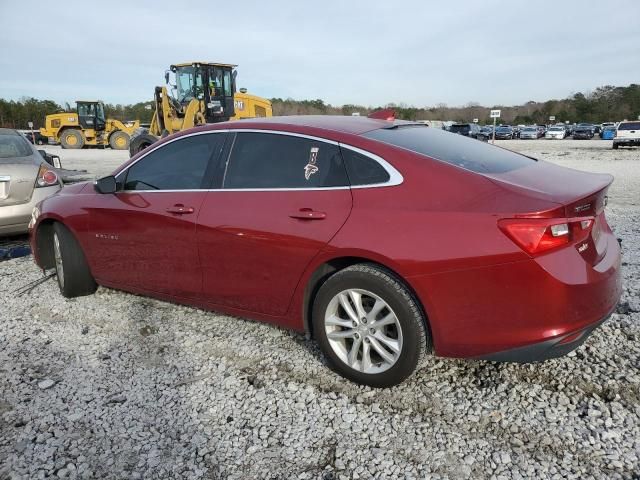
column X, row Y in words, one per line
column 364, row 52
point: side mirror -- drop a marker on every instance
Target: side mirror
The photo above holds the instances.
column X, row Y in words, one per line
column 105, row 184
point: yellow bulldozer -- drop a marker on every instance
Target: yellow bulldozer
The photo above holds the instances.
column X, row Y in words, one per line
column 205, row 92
column 87, row 126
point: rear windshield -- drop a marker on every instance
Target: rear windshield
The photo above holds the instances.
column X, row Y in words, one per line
column 459, row 128
column 629, row 126
column 463, row 152
column 12, row 146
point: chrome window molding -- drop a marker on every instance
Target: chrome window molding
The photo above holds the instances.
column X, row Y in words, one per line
column 395, row 177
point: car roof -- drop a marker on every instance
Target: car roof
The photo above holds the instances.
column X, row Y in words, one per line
column 337, row 123
column 8, row 131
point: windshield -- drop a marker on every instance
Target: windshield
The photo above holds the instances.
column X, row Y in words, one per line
column 629, row 126
column 503, row 129
column 13, row 146
column 462, row 151
column 460, row 128
column 556, row 129
column 188, row 84
column 530, row 129
column 87, row 109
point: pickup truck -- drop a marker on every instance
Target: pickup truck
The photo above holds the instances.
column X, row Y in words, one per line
column 627, row 135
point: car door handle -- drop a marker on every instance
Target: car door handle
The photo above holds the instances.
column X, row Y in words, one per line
column 180, row 209
column 308, row 214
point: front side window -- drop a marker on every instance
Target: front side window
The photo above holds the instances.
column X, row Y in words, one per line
column 263, row 160
column 179, row 165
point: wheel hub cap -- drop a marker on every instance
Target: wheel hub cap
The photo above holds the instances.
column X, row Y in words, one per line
column 363, row 331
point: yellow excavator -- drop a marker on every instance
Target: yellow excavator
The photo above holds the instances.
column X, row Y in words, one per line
column 205, row 92
column 88, row 126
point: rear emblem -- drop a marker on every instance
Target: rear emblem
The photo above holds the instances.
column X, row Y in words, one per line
column 311, row 167
column 582, row 208
column 583, row 247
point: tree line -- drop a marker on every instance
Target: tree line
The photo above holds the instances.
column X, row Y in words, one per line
column 604, row 104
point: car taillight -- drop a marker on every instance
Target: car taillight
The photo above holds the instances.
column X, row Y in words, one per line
column 536, row 235
column 46, row 177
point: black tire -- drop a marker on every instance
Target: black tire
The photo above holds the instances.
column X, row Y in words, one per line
column 413, row 326
column 72, row 139
column 74, row 276
column 119, row 140
column 615, row 146
column 140, row 142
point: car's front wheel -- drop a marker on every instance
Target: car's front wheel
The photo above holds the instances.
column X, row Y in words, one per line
column 370, row 326
column 72, row 270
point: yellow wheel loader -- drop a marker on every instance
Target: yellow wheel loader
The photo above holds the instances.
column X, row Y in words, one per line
column 88, row 126
column 205, row 92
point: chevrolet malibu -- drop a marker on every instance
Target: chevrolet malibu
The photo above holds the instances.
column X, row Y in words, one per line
column 383, row 240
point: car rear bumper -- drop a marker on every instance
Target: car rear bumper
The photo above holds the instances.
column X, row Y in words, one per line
column 545, row 350
column 526, row 310
column 14, row 219
column 627, row 142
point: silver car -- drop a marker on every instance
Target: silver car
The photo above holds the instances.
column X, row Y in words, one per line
column 25, row 179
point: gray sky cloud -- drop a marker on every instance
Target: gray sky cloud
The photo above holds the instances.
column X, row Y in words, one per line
column 363, row 52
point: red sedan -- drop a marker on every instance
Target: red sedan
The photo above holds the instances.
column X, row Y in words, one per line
column 384, row 240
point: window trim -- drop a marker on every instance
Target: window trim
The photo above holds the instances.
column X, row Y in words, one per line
column 395, row 177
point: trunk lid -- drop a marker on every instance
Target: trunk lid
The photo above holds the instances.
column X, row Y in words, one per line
column 17, row 180
column 579, row 196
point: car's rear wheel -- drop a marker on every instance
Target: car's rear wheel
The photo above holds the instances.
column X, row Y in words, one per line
column 369, row 326
column 72, row 270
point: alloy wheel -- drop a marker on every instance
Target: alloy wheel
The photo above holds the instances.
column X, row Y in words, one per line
column 363, row 331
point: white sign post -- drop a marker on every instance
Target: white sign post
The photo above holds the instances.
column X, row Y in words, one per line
column 495, row 114
column 33, row 137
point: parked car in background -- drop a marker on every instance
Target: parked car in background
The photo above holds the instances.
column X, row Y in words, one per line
column 584, row 132
column 516, row 131
column 627, row 135
column 178, row 221
column 35, row 137
column 529, row 133
column 486, row 132
column 556, row 132
column 25, row 179
column 504, row 132
column 467, row 129
column 608, row 124
column 608, row 133
column 542, row 129
column 586, row 125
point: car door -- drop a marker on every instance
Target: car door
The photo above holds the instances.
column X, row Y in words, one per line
column 144, row 234
column 281, row 199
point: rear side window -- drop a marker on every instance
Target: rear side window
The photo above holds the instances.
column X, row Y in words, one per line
column 179, row 165
column 266, row 160
column 629, row 126
column 14, row 146
column 458, row 150
column 363, row 170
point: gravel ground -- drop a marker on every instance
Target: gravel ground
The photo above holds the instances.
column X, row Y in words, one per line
column 119, row 386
